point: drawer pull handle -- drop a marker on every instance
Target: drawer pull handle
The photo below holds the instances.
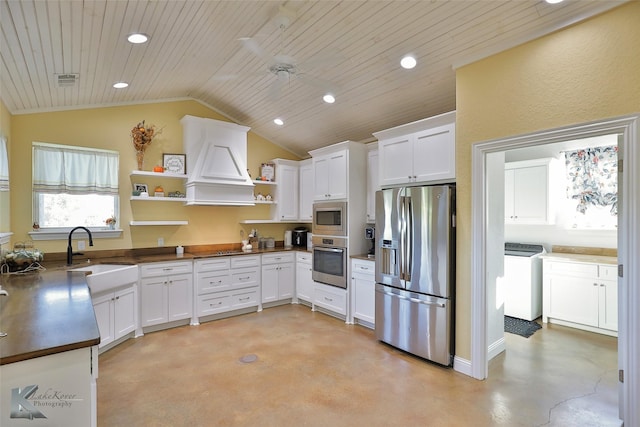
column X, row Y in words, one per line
column 244, row 278
column 328, row 299
column 244, row 299
column 167, row 269
column 213, row 305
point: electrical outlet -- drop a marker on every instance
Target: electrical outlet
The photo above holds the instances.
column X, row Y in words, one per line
column 81, row 245
column 160, row 241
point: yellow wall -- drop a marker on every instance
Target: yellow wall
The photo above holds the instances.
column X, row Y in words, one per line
column 5, row 129
column 110, row 128
column 584, row 73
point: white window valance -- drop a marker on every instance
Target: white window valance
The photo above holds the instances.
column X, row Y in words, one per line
column 4, row 165
column 74, row 170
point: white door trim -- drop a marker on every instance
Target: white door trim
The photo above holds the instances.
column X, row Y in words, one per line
column 628, row 246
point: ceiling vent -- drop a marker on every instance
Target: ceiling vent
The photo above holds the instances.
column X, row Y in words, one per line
column 67, row 80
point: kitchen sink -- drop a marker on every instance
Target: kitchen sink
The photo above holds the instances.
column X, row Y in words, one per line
column 103, row 277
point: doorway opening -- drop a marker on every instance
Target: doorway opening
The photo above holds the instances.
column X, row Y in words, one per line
column 485, row 249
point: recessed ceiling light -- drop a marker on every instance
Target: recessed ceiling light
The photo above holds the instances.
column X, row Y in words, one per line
column 329, row 99
column 278, row 121
column 120, row 85
column 408, row 62
column 554, row 1
column 138, row 38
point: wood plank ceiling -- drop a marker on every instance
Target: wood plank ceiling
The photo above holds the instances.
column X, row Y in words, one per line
column 352, row 48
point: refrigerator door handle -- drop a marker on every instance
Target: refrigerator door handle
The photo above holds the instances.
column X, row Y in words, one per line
column 409, row 239
column 416, row 300
column 403, row 234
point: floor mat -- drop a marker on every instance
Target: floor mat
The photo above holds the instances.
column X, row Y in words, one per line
column 524, row 328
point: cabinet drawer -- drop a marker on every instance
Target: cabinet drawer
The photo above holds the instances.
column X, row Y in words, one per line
column 571, row 269
column 245, row 277
column 214, row 281
column 278, row 258
column 608, row 272
column 304, row 257
column 363, row 267
column 242, row 261
column 212, row 264
column 215, row 303
column 227, row 301
column 165, row 268
column 332, row 299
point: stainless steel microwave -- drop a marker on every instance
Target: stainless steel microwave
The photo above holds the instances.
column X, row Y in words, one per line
column 329, row 219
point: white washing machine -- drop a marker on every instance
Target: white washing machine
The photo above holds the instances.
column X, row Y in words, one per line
column 523, row 280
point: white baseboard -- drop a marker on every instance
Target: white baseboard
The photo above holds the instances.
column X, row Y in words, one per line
column 462, row 365
column 496, row 348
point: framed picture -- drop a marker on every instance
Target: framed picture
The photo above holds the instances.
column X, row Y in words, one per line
column 175, row 163
column 141, row 188
column 268, row 171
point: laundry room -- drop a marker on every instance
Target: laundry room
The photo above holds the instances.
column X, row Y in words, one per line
column 560, row 228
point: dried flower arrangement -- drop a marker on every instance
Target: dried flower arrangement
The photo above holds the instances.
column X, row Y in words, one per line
column 142, row 136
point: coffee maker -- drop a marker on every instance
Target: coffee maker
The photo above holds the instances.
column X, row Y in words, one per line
column 370, row 235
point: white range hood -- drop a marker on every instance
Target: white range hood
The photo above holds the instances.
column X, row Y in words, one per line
column 216, row 162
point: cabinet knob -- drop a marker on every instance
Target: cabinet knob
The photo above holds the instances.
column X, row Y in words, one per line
column 595, row 284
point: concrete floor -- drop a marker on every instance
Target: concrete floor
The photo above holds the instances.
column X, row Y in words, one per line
column 314, row 370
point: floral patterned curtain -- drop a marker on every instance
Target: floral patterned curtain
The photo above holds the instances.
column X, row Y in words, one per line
column 592, row 176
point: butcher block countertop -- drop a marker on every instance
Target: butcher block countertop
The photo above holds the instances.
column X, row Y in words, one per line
column 583, row 254
column 45, row 313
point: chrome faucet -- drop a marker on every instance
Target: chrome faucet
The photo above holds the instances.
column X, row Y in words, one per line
column 70, row 253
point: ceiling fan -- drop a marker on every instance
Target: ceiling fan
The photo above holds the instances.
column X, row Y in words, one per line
column 285, row 68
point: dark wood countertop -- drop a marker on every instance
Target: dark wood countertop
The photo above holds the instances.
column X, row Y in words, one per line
column 50, row 311
column 45, row 313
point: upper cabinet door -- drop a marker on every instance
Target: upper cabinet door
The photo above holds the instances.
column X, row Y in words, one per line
column 287, row 179
column 396, row 164
column 434, row 154
column 305, row 211
column 372, row 184
column 527, row 188
column 330, row 176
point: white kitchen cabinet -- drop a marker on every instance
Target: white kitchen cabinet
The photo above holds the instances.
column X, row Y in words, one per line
column 227, row 283
column 363, row 295
column 304, row 281
column 330, row 299
column 306, row 190
column 372, row 181
column 115, row 313
column 528, row 192
column 330, row 175
column 583, row 295
column 166, row 292
column 287, row 190
column 418, row 152
column 278, row 277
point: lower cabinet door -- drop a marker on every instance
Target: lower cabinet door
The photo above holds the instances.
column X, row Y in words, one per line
column 180, row 297
column 102, row 306
column 608, row 310
column 124, row 314
column 574, row 299
column 154, row 305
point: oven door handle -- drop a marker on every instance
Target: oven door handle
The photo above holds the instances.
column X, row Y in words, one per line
column 318, row 248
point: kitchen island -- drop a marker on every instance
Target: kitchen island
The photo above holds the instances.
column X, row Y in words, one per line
column 49, row 357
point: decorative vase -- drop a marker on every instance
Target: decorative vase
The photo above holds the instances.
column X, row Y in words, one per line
column 140, row 159
column 112, row 225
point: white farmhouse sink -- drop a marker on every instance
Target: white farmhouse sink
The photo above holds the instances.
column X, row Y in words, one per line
column 103, row 277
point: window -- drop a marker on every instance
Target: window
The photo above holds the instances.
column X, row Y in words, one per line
column 74, row 186
column 592, row 186
column 4, row 165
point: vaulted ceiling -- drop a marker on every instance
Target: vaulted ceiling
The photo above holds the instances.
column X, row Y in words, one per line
column 199, row 50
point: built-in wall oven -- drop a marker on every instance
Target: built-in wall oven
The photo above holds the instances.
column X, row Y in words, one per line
column 330, row 260
column 329, row 219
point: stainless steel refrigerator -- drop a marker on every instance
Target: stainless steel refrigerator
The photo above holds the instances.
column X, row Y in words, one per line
column 415, row 270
